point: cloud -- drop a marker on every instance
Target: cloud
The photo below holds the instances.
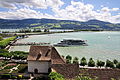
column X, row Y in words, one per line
column 23, row 13
column 83, row 12
column 43, row 4
column 106, row 9
column 75, row 11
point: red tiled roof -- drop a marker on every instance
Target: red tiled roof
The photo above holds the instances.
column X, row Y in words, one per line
column 45, row 53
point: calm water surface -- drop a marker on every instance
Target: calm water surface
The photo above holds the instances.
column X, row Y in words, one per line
column 100, row 46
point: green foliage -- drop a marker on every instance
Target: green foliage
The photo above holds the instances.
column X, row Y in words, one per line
column 3, row 51
column 3, row 63
column 1, row 38
column 14, row 55
column 56, row 76
column 118, row 65
column 7, row 55
column 91, row 63
column 115, row 61
column 100, row 63
column 68, row 61
column 5, row 42
column 19, row 54
column 75, row 60
column 109, row 64
column 69, row 57
column 83, row 61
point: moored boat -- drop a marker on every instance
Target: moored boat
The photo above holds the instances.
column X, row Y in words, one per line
column 71, row 42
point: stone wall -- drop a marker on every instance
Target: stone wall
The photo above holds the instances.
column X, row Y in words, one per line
column 69, row 71
column 102, row 74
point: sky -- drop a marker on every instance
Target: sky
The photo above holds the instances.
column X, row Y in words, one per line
column 79, row 10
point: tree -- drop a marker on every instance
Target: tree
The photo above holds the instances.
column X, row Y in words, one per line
column 83, row 61
column 109, row 64
column 118, row 65
column 115, row 61
column 75, row 60
column 68, row 61
column 69, row 57
column 100, row 63
column 91, row 63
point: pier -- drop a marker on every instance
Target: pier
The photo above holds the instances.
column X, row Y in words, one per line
column 30, row 43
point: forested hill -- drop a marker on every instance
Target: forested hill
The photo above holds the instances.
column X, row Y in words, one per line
column 58, row 24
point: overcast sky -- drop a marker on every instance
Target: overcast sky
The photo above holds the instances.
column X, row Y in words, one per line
column 80, row 10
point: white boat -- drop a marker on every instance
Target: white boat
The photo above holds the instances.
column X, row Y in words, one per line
column 71, row 42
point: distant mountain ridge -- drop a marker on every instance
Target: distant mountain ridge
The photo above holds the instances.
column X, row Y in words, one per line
column 58, row 24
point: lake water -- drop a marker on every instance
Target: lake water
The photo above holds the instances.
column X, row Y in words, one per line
column 99, row 45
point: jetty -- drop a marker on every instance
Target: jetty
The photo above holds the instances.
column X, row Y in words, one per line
column 30, row 43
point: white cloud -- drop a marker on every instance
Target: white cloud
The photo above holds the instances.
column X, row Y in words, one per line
column 43, row 4
column 75, row 11
column 23, row 13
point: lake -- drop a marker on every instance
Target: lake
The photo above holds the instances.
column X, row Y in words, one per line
column 101, row 45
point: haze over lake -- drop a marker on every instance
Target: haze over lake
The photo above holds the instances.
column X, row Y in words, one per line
column 101, row 45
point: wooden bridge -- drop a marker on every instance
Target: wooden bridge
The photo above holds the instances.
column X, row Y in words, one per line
column 30, row 43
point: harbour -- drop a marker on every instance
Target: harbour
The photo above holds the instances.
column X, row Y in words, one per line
column 100, row 47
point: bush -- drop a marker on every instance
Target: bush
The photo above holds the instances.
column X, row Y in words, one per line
column 109, row 64
column 69, row 57
column 100, row 63
column 3, row 51
column 115, row 61
column 75, row 60
column 91, row 63
column 68, row 61
column 55, row 76
column 83, row 61
column 19, row 54
column 5, row 42
column 118, row 65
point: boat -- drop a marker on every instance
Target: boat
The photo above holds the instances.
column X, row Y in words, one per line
column 71, row 42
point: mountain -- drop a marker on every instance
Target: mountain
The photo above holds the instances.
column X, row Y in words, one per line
column 58, row 24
